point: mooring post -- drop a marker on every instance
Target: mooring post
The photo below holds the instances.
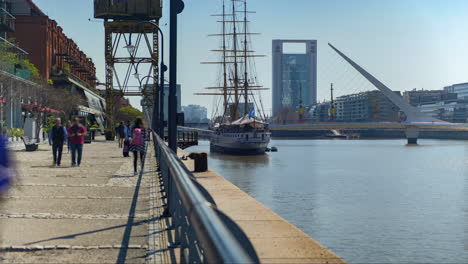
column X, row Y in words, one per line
column 412, row 134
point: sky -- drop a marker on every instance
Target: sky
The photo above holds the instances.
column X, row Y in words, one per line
column 406, row 44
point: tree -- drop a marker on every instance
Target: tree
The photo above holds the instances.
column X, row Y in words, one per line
column 128, row 113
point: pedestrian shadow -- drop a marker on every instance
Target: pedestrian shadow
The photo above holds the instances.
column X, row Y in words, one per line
column 73, row 236
column 24, row 150
column 121, row 176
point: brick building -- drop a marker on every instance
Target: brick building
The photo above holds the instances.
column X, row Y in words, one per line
column 50, row 50
column 57, row 57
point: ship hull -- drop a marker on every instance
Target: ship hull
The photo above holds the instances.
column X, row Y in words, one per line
column 251, row 149
column 240, row 143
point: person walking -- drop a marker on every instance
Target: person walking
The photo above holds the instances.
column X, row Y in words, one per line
column 77, row 133
column 126, row 145
column 120, row 131
column 137, row 145
column 57, row 136
column 128, row 130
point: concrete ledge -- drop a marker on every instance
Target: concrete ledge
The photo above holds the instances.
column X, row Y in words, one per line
column 274, row 239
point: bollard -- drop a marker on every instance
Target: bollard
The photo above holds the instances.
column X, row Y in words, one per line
column 200, row 161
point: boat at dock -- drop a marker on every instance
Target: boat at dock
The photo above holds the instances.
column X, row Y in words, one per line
column 236, row 127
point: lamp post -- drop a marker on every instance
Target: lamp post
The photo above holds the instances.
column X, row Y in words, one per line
column 155, row 115
column 156, row 122
column 176, row 7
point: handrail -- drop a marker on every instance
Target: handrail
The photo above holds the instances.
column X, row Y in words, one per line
column 195, row 217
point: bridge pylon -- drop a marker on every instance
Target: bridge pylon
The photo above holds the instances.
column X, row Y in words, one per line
column 412, row 113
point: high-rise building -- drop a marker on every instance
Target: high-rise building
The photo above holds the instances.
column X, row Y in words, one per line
column 294, row 75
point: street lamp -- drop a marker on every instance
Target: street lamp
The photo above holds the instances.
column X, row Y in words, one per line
column 162, row 68
column 154, row 117
column 131, row 48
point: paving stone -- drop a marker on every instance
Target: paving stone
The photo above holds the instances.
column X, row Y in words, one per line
column 76, row 215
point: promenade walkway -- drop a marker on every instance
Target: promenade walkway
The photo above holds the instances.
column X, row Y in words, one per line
column 101, row 213
column 96, row 213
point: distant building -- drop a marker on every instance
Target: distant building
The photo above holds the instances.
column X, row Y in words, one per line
column 195, row 113
column 449, row 104
column 366, row 106
column 418, row 97
column 241, row 109
column 320, row 112
column 294, row 75
column 455, row 111
column 147, row 105
column 461, row 89
column 166, row 100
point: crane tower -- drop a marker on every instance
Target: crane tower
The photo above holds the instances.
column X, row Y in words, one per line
column 123, row 29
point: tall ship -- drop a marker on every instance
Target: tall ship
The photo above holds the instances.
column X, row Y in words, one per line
column 239, row 124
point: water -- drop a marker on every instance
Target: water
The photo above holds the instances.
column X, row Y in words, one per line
column 369, row 201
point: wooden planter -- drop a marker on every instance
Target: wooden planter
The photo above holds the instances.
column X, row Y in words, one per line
column 109, row 135
column 31, row 147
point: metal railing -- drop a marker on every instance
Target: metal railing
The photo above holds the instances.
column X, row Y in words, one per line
column 203, row 233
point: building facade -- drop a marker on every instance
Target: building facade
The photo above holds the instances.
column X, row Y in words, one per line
column 166, row 100
column 366, row 106
column 57, row 57
column 320, row 112
column 449, row 104
column 50, row 50
column 461, row 89
column 12, row 77
column 195, row 113
column 294, row 75
column 419, row 97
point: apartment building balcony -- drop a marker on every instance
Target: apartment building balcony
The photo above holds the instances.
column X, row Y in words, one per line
column 7, row 21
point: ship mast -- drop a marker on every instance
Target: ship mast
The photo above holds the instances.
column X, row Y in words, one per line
column 224, row 61
column 230, row 87
column 246, row 83
column 236, row 73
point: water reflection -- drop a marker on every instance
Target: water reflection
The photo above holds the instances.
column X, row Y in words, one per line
column 247, row 161
column 370, row 201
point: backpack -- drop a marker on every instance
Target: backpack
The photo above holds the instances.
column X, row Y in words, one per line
column 137, row 136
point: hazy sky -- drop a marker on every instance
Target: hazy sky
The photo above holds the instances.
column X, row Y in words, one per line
column 405, row 43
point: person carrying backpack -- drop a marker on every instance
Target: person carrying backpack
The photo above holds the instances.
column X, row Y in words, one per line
column 137, row 144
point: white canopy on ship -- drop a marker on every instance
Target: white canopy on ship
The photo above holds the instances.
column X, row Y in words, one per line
column 248, row 121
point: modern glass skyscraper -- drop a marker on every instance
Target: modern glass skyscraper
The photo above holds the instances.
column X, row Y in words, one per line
column 294, row 75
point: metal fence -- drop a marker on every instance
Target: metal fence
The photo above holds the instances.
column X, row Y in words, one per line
column 203, row 233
